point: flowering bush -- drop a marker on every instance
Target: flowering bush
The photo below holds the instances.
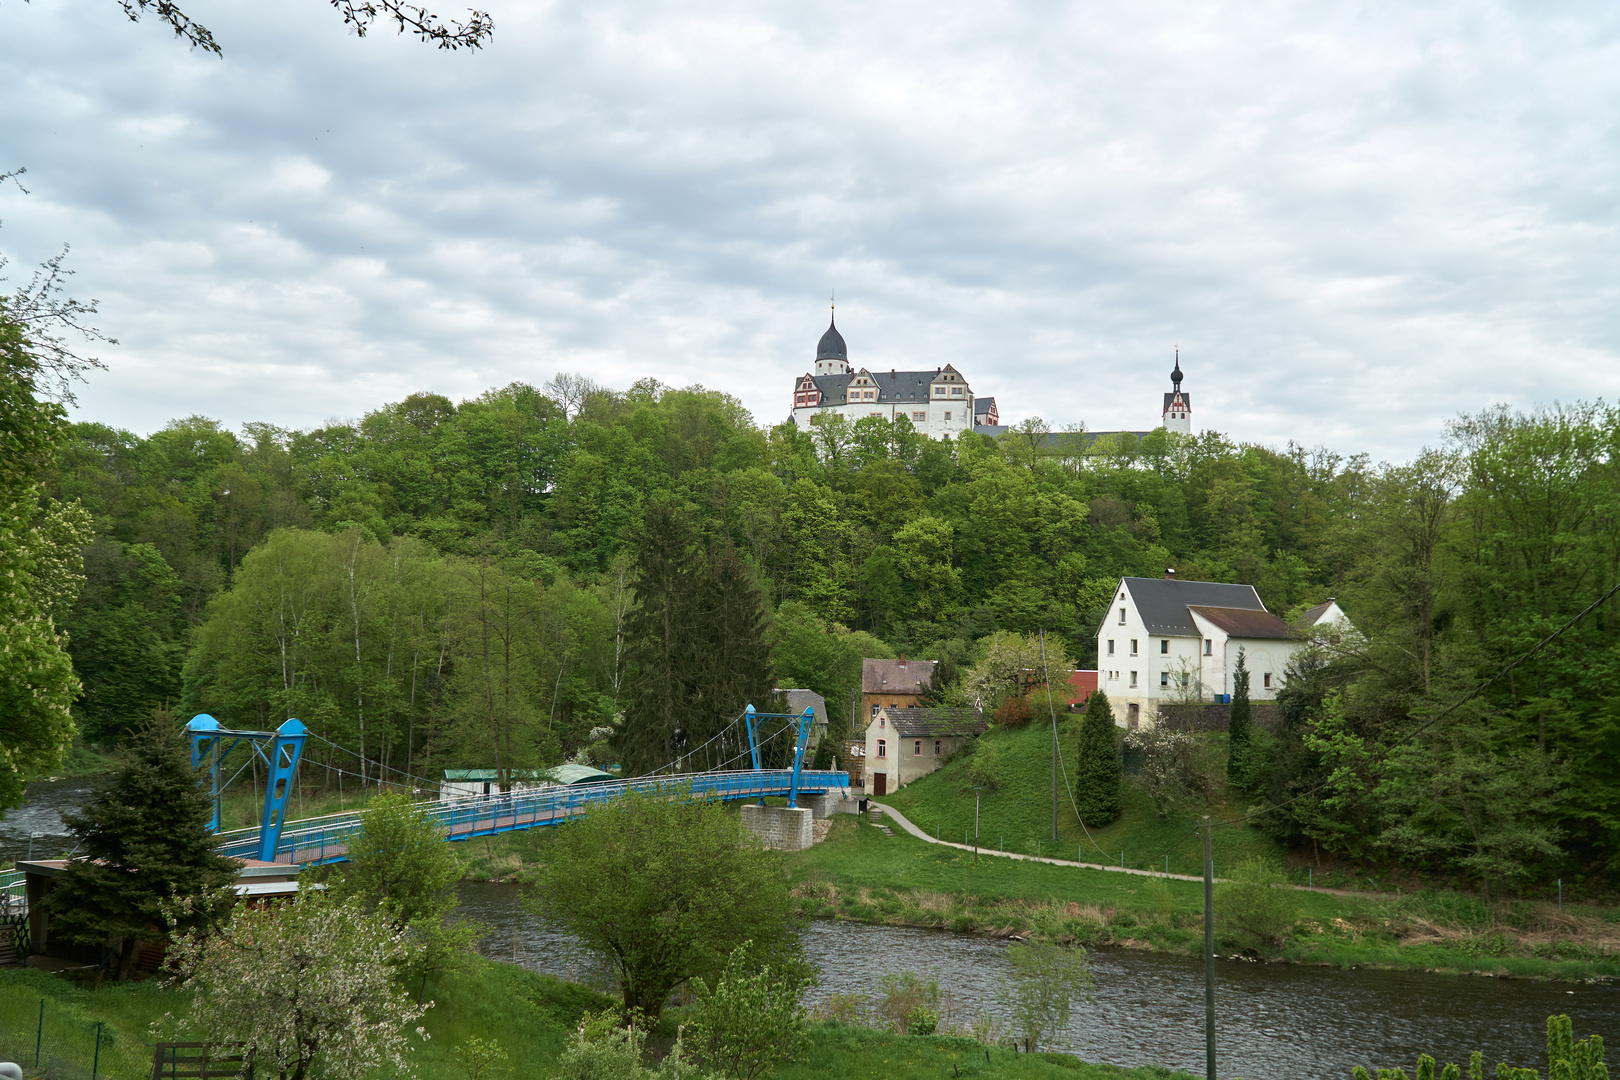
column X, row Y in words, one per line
column 306, row 987
column 1170, row 772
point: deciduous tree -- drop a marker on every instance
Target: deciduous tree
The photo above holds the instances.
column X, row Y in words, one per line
column 664, row 890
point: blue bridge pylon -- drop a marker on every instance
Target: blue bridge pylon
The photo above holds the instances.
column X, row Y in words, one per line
column 285, row 749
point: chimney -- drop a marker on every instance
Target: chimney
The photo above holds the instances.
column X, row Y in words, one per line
column 1170, row 573
column 902, row 659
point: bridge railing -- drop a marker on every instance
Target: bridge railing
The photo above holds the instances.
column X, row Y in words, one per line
column 323, row 839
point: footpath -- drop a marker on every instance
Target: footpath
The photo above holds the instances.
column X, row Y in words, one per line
column 901, row 820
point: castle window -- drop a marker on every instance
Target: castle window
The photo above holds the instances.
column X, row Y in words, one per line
column 1164, row 645
column 1110, row 646
column 956, row 391
column 939, row 391
column 1133, row 686
column 1133, row 646
column 919, row 415
column 1209, row 646
column 1164, row 678
column 947, row 416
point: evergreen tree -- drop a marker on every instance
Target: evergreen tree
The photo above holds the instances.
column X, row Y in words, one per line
column 143, row 842
column 697, row 645
column 1098, row 773
column 1240, row 726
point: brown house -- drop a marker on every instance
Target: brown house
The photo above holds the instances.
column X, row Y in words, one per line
column 893, row 684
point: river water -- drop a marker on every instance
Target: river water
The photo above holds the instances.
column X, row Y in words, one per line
column 36, row 826
column 1272, row 1022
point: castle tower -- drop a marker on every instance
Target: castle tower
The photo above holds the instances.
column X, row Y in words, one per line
column 832, row 355
column 1177, row 405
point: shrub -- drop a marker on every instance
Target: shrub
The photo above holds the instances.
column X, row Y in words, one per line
column 1257, row 902
column 750, row 1018
column 1042, row 984
column 905, row 995
column 985, row 767
column 1170, row 774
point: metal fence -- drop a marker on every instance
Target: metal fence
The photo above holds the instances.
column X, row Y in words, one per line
column 56, row 1041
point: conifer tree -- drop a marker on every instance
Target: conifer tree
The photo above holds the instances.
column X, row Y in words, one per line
column 1240, row 726
column 1097, row 776
column 696, row 642
column 143, row 842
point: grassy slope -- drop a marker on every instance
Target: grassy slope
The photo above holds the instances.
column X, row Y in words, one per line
column 1019, row 813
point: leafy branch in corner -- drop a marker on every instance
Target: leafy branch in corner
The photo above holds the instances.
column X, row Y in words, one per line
column 44, row 312
column 409, row 18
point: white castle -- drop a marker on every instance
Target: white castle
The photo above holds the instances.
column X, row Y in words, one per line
column 938, row 402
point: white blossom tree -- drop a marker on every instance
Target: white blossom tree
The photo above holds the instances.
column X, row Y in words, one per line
column 307, row 988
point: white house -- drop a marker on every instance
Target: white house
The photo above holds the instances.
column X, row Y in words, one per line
column 938, row 402
column 1166, row 640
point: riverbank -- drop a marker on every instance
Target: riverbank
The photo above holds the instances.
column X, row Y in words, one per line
column 861, row 873
column 532, row 1017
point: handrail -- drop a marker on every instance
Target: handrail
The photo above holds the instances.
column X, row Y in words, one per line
column 484, row 815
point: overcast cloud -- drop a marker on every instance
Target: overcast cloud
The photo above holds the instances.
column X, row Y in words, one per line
column 1355, row 220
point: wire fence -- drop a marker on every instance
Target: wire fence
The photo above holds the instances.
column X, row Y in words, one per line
column 50, row 1039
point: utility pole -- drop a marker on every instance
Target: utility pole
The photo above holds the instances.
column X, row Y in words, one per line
column 1052, row 709
column 976, row 824
column 1209, row 954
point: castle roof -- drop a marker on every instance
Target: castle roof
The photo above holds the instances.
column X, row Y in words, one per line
column 831, row 346
column 903, row 387
column 1186, row 399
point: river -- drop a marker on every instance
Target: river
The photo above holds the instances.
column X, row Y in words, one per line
column 1273, row 1021
column 36, row 826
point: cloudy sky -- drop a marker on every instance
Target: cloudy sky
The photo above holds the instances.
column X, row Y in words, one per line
column 1355, row 220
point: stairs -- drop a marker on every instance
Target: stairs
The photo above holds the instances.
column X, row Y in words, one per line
column 875, row 816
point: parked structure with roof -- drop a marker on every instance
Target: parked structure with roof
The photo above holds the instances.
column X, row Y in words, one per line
column 473, row 783
column 903, row 744
column 800, row 700
column 938, row 403
column 1167, row 640
column 893, row 684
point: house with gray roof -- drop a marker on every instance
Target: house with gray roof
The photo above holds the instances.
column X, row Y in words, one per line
column 1165, row 640
column 903, row 744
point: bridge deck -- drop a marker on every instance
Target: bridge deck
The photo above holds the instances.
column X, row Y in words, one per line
column 312, row 841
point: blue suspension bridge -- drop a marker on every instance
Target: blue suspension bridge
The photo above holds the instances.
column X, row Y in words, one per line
column 317, row 840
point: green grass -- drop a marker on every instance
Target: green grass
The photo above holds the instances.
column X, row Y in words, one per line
column 1018, row 815
column 860, row 1053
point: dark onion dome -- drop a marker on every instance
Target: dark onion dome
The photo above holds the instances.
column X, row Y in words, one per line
column 832, row 345
column 1175, row 376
